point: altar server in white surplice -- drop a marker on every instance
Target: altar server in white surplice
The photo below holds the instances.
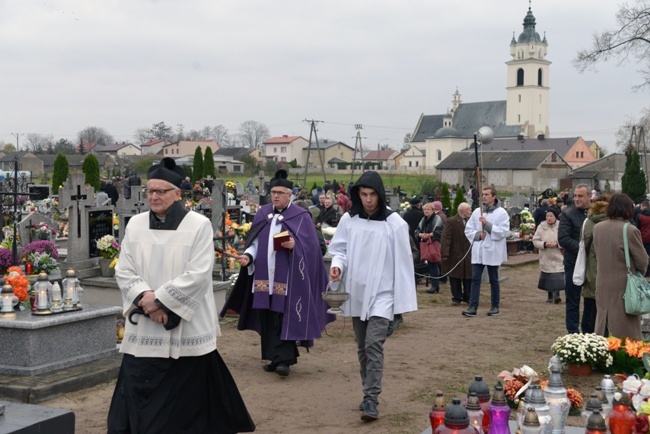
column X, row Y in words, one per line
column 170, row 343
column 371, row 252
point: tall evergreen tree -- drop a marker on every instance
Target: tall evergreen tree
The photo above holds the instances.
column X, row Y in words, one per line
column 61, row 170
column 90, row 167
column 460, row 198
column 208, row 163
column 634, row 181
column 197, row 166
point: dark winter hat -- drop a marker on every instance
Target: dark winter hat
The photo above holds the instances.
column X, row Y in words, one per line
column 554, row 210
column 415, row 201
column 280, row 180
column 168, row 171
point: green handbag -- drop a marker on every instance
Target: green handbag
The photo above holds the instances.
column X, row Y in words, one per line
column 637, row 289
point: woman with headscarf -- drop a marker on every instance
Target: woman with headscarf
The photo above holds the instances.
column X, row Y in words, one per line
column 611, row 270
column 595, row 215
column 551, row 260
column 430, row 228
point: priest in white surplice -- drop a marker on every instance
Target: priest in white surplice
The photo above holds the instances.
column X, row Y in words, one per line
column 170, row 344
column 371, row 252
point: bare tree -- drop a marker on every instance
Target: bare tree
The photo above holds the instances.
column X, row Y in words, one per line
column 161, row 131
column 38, row 143
column 142, row 135
column 221, row 135
column 624, row 133
column 252, row 134
column 95, row 135
column 630, row 42
column 64, row 146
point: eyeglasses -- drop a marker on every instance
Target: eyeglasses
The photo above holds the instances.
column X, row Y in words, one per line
column 278, row 193
column 159, row 192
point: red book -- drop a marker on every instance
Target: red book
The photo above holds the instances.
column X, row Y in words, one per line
column 280, row 238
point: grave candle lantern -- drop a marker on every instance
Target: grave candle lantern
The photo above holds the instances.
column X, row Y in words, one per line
column 499, row 412
column 56, row 298
column 531, row 423
column 609, row 388
column 8, row 301
column 622, row 417
column 437, row 414
column 71, row 287
column 596, row 423
column 43, row 292
column 456, row 420
column 593, row 404
column 558, row 402
column 474, row 412
column 482, row 390
column 538, row 402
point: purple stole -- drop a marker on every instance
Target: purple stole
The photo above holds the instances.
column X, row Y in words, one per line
column 274, row 300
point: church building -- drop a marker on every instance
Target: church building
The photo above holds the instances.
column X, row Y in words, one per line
column 522, row 115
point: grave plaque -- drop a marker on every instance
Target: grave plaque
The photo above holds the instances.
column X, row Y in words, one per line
column 100, row 223
column 39, row 192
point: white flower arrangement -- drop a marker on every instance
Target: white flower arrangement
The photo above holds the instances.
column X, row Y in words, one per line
column 583, row 349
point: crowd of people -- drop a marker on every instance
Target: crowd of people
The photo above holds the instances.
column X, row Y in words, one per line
column 170, row 354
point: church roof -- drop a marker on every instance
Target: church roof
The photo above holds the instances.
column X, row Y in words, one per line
column 529, row 35
column 447, row 131
column 561, row 144
column 517, row 160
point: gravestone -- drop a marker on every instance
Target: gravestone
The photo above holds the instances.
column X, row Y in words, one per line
column 29, row 221
column 100, row 223
column 393, row 201
column 76, row 197
column 128, row 207
column 218, row 205
column 518, row 200
column 39, row 192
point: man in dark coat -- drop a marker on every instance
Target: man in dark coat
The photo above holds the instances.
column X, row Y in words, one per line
column 112, row 192
column 569, row 232
column 413, row 216
column 539, row 215
column 454, row 248
column 280, row 297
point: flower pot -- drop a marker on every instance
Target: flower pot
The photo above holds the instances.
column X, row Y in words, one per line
column 106, row 270
column 579, row 370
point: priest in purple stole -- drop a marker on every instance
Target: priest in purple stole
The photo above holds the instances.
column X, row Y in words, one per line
column 279, row 290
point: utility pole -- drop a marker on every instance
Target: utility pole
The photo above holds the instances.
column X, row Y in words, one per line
column 17, row 135
column 313, row 131
column 640, row 137
column 357, row 148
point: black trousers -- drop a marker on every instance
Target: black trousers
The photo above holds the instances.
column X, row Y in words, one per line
column 460, row 289
column 274, row 349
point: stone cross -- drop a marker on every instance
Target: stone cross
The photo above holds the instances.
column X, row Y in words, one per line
column 31, row 220
column 127, row 208
column 219, row 201
column 75, row 197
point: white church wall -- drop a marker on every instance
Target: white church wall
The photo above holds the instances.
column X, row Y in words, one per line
column 497, row 177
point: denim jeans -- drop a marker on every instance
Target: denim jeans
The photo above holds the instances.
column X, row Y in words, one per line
column 434, row 272
column 495, row 290
column 572, row 301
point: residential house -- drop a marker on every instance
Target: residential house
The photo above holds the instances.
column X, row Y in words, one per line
column 331, row 153
column 223, row 163
column 606, row 170
column 28, row 162
column 107, row 163
column 285, row 149
column 152, row 147
column 241, row 152
column 188, row 147
column 383, row 159
column 512, row 171
column 413, row 158
column 116, row 149
column 574, row 150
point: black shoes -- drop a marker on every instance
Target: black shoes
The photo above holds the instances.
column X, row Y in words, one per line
column 471, row 312
column 494, row 311
column 455, row 303
column 433, row 291
column 557, row 300
column 396, row 323
column 281, row 369
column 369, row 411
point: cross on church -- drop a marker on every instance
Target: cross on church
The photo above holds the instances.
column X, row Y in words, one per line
column 78, row 198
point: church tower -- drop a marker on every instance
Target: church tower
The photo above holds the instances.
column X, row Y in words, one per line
column 528, row 81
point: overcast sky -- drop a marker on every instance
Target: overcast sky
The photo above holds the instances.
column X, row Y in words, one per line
column 123, row 65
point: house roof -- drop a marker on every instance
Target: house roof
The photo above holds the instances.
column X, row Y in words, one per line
column 73, row 159
column 10, row 156
column 182, row 142
column 497, row 160
column 608, row 163
column 324, row 144
column 235, row 153
column 282, row 139
column 114, row 147
column 561, row 144
column 336, row 160
column 467, row 120
column 152, row 142
column 379, row 155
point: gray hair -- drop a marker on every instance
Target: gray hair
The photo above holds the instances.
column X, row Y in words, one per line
column 463, row 206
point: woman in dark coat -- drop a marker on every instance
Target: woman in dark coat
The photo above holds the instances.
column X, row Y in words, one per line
column 430, row 228
column 611, row 271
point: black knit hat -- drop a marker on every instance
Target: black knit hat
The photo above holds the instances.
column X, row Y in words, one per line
column 280, row 180
column 168, row 171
